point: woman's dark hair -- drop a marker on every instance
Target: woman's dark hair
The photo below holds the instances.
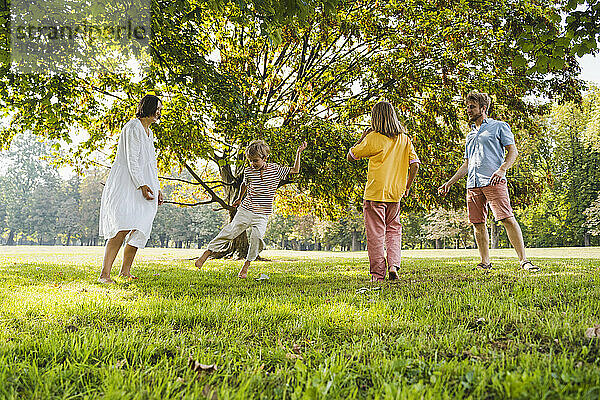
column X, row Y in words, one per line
column 148, row 106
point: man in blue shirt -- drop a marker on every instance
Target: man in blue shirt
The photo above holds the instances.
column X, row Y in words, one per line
column 486, row 165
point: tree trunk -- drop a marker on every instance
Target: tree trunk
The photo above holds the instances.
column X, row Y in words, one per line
column 586, row 239
column 11, row 238
column 164, row 242
column 438, row 243
column 355, row 242
column 238, row 247
column 494, row 235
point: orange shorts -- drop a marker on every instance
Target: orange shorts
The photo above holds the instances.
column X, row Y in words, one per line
column 495, row 195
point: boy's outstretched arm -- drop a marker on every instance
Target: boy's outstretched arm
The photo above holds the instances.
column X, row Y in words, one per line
column 296, row 168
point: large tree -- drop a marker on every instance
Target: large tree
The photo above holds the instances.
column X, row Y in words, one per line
column 315, row 78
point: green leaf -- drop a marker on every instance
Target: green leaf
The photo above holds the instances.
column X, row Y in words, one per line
column 519, row 61
column 591, row 44
column 557, row 63
column 528, row 46
column 572, row 4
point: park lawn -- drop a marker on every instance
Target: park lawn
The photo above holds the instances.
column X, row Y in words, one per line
column 441, row 331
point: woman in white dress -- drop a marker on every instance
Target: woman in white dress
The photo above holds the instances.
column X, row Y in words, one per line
column 132, row 191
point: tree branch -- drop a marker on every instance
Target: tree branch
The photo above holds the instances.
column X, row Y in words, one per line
column 221, row 183
column 188, row 204
column 213, row 195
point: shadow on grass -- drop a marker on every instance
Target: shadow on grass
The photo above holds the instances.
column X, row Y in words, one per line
column 417, row 278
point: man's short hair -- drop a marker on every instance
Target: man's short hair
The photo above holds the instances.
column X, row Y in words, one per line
column 483, row 99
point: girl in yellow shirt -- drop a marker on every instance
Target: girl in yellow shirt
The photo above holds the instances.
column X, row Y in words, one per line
column 393, row 165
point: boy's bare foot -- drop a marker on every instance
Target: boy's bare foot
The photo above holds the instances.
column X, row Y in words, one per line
column 199, row 262
column 105, row 280
column 243, row 274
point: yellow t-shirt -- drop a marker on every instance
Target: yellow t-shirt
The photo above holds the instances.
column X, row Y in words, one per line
column 389, row 159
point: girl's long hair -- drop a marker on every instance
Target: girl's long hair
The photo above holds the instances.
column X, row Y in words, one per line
column 385, row 121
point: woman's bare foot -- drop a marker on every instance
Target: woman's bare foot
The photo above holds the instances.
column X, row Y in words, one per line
column 128, row 276
column 105, row 280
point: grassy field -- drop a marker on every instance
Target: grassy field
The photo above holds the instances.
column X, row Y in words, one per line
column 315, row 329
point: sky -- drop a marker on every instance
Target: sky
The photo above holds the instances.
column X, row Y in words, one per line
column 590, row 68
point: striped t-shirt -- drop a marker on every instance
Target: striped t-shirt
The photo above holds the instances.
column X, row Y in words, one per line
column 261, row 186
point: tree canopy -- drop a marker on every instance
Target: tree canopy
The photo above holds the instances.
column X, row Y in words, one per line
column 314, row 76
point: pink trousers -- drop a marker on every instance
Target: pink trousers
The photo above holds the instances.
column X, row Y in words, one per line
column 384, row 232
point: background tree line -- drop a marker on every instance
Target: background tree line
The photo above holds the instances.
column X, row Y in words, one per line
column 37, row 206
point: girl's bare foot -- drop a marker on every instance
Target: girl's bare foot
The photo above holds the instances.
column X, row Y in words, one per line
column 393, row 273
column 105, row 280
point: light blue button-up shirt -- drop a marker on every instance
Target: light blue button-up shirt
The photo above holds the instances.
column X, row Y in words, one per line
column 484, row 149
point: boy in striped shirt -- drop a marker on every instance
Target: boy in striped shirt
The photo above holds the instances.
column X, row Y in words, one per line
column 255, row 202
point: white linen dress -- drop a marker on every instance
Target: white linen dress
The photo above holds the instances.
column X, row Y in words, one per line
column 123, row 206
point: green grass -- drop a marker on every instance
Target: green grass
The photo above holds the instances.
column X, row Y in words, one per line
column 441, row 331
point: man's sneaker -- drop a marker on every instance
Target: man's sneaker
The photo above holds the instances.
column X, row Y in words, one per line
column 483, row 266
column 528, row 266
